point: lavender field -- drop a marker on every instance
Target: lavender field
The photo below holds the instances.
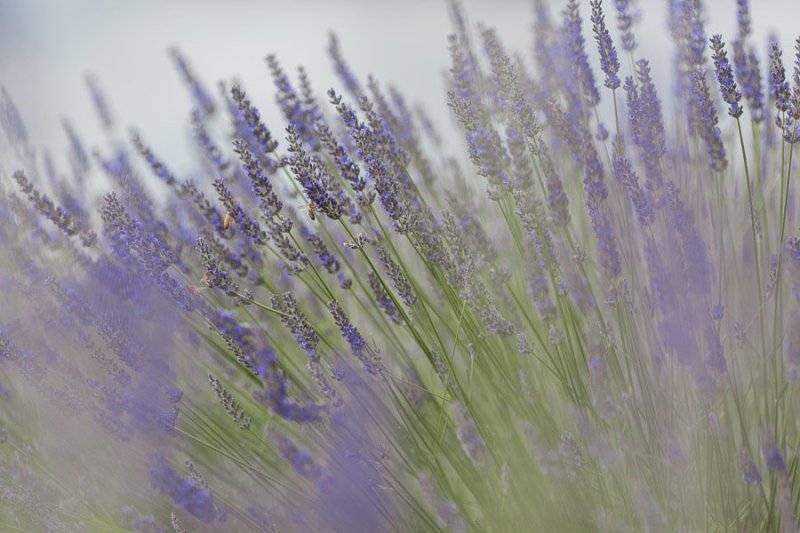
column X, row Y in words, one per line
column 567, row 298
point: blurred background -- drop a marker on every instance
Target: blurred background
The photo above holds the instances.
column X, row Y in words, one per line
column 48, row 46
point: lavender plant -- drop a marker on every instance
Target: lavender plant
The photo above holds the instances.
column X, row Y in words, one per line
column 589, row 321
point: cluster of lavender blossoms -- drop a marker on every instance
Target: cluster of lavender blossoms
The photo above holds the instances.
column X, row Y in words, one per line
column 588, row 321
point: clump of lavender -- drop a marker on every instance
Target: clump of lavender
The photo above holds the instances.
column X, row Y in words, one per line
column 589, row 318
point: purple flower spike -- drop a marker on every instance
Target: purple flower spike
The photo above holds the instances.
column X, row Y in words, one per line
column 705, row 122
column 778, row 86
column 609, row 61
column 748, row 469
column 748, row 74
column 188, row 493
column 199, row 92
column 625, row 24
column 724, row 74
column 574, row 46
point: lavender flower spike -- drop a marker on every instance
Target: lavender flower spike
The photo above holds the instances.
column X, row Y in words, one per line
column 100, row 103
column 705, row 122
column 369, row 357
column 269, row 202
column 644, row 112
column 252, row 121
column 65, row 221
column 199, row 92
column 297, row 323
column 215, row 277
column 187, row 493
column 625, row 24
column 748, row 74
column 748, row 469
column 249, row 227
column 771, row 453
column 778, row 86
column 342, row 69
column 314, row 178
column 609, row 61
column 573, row 43
column 724, row 74
column 640, row 198
column 157, row 166
column 794, row 110
column 743, row 21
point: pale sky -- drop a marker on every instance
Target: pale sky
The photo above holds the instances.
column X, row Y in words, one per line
column 46, row 47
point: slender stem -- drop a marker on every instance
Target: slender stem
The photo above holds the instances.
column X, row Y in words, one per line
column 756, row 260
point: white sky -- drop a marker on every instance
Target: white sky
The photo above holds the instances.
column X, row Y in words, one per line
column 46, row 46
